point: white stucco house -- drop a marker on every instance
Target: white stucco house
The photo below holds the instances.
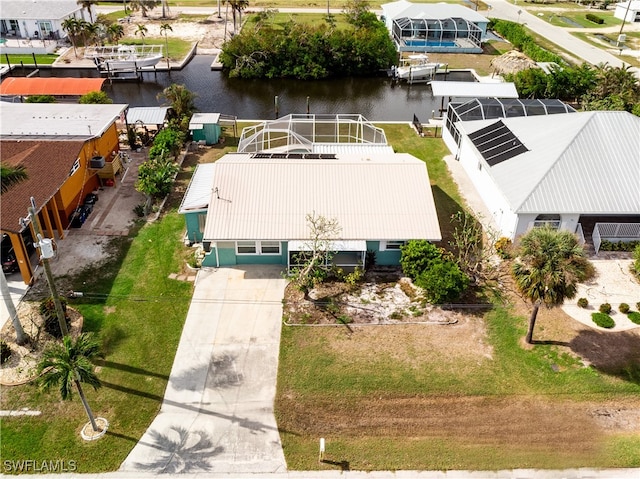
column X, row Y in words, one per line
column 439, row 27
column 567, row 170
column 39, row 19
column 628, row 11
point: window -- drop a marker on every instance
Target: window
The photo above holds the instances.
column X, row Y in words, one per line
column 270, row 247
column 246, row 247
column 258, row 247
column 391, row 245
column 75, row 167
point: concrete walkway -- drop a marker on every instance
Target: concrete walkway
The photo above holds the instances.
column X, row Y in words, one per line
column 217, row 414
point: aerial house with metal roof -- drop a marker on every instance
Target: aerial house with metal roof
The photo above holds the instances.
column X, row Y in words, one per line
column 252, row 206
column 64, row 149
column 441, row 27
column 572, row 171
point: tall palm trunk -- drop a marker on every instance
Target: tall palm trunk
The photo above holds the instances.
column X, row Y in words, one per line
column 532, row 322
column 86, row 405
column 21, row 337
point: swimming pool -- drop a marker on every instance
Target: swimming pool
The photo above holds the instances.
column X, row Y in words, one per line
column 428, row 43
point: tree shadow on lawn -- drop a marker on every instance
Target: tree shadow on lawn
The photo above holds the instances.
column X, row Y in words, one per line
column 615, row 353
column 445, row 207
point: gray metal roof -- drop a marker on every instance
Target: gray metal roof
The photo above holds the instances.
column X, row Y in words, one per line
column 584, row 162
column 198, row 193
column 59, row 120
column 37, row 9
column 148, row 115
column 372, row 197
column 463, row 89
column 436, row 11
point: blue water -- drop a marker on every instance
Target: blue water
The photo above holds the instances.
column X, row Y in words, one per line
column 428, row 43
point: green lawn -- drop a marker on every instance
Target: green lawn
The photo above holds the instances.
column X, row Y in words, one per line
column 556, row 18
column 178, row 49
column 138, row 312
column 41, row 59
column 588, row 37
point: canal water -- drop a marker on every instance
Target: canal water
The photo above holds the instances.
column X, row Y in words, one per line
column 377, row 99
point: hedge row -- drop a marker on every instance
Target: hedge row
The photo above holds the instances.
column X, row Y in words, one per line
column 521, row 40
column 594, row 18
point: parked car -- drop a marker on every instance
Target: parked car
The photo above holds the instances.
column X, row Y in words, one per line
column 9, row 261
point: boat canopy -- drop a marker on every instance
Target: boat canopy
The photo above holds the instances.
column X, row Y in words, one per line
column 50, row 86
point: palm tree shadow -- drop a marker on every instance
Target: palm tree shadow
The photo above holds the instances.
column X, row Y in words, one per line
column 615, row 353
column 182, row 451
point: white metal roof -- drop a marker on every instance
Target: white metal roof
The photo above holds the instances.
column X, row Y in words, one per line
column 584, row 162
column 352, row 245
column 635, row 5
column 437, row 11
column 463, row 89
column 198, row 120
column 37, row 9
column 56, row 120
column 372, row 197
column 198, row 193
column 148, row 115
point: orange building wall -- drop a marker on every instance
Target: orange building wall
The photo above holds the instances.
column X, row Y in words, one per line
column 85, row 180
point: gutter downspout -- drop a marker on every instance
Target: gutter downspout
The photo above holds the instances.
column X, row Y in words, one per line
column 217, row 258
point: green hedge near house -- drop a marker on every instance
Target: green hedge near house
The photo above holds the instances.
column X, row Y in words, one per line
column 603, row 320
column 594, row 18
column 517, row 35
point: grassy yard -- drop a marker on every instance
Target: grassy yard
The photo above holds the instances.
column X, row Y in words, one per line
column 631, row 37
column 334, row 4
column 178, row 48
column 41, row 59
column 410, row 397
column 138, row 314
column 558, row 18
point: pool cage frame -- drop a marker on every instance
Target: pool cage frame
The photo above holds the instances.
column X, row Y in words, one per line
column 300, row 132
column 493, row 108
column 458, row 30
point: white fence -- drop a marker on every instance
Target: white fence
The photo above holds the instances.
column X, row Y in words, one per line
column 617, row 232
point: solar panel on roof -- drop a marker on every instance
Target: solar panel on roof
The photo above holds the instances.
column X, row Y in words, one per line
column 496, row 143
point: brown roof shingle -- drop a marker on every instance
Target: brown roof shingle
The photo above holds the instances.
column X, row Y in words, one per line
column 47, row 163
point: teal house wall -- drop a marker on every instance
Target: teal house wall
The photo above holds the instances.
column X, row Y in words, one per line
column 227, row 256
column 193, row 221
column 210, row 133
column 384, row 258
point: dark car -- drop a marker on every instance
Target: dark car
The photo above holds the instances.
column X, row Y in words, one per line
column 9, row 261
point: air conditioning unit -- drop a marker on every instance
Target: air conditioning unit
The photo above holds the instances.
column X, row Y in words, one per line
column 97, row 162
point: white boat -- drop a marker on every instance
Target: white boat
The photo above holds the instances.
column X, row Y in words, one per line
column 125, row 57
column 416, row 68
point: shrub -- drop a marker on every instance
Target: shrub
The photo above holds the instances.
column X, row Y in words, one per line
column 638, row 305
column 48, row 312
column 623, row 308
column 603, row 320
column 417, row 256
column 443, row 282
column 5, row 352
column 594, row 18
column 607, row 245
column 634, row 317
column 355, row 277
column 605, row 308
column 636, row 262
column 503, row 247
column 167, row 142
column 583, row 302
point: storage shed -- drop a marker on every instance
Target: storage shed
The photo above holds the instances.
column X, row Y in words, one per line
column 205, row 127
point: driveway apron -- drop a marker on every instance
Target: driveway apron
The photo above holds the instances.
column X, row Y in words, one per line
column 217, row 413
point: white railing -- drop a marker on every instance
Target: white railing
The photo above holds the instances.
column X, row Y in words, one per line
column 580, row 234
column 620, row 232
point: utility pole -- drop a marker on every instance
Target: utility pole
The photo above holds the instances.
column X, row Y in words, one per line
column 46, row 253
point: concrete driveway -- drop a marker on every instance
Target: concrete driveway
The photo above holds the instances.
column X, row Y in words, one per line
column 217, row 413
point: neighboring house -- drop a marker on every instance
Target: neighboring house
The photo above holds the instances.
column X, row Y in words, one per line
column 628, row 11
column 64, row 149
column 205, row 128
column 62, row 89
column 441, row 27
column 39, row 19
column 568, row 170
column 252, row 207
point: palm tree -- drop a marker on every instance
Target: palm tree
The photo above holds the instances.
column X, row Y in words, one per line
column 88, row 4
column 164, row 28
column 11, row 175
column 91, row 32
column 550, row 264
column 180, row 99
column 68, row 364
column 115, row 32
column 143, row 5
column 21, row 337
column 236, row 7
column 72, row 27
column 141, row 30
